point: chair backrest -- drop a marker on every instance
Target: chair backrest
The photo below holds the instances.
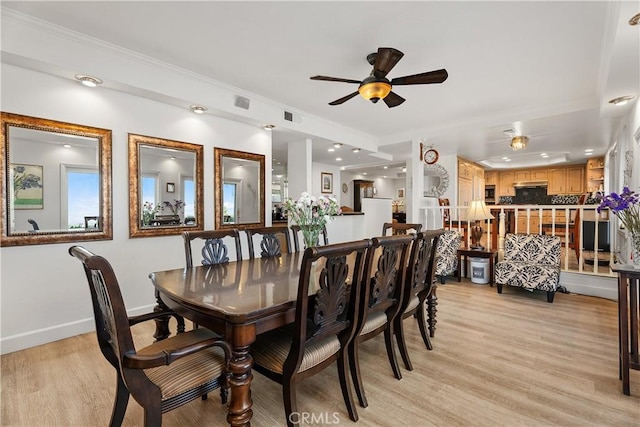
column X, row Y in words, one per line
column 533, row 248
column 295, row 229
column 112, row 322
column 384, row 276
column 214, row 250
column 400, row 228
column 272, row 240
column 421, row 266
column 446, row 214
column 91, row 222
column 336, row 272
column 34, row 224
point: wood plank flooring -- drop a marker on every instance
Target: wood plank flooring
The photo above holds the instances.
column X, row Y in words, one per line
column 498, row 360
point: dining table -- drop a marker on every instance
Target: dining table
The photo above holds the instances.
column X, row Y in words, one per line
column 239, row 300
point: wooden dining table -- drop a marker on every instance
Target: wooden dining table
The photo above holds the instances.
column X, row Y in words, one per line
column 239, row 300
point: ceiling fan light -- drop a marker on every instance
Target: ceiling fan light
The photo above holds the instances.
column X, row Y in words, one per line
column 374, row 91
column 519, row 142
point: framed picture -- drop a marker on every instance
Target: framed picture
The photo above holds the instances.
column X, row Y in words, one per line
column 326, row 180
column 27, row 186
column 400, row 194
column 171, row 187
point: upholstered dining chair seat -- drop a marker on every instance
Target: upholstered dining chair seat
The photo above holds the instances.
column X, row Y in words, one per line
column 412, row 304
column 374, row 321
column 187, row 373
column 270, row 350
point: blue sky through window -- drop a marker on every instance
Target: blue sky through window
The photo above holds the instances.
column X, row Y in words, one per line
column 83, row 195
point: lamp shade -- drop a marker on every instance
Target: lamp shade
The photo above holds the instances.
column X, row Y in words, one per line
column 478, row 211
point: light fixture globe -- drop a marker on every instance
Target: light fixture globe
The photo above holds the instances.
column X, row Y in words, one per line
column 519, row 142
column 374, row 89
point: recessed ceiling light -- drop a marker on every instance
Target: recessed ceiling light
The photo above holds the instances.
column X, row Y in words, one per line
column 67, row 145
column 337, row 145
column 268, row 126
column 88, row 81
column 404, row 169
column 198, row 109
column 385, row 167
column 364, row 173
column 384, row 176
column 543, row 154
column 621, row 100
column 331, row 150
column 355, row 150
column 338, row 159
column 588, row 150
column 588, row 153
column 507, row 160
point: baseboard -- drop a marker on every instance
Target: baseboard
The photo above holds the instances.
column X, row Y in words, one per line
column 590, row 284
column 54, row 333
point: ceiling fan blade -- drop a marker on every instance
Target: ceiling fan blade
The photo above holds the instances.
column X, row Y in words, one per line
column 343, row 99
column 334, row 79
column 393, row 100
column 386, row 59
column 437, row 76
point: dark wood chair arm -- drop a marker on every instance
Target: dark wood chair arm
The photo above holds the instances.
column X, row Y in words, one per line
column 134, row 320
column 166, row 357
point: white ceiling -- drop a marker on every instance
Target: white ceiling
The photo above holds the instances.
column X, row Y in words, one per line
column 545, row 69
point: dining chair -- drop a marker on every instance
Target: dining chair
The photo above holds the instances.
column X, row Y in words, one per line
column 273, row 238
column 91, row 222
column 324, row 324
column 418, row 285
column 214, row 250
column 163, row 375
column 381, row 295
column 34, row 224
column 400, row 228
column 295, row 229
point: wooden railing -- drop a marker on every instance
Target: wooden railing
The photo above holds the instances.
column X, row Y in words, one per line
column 587, row 236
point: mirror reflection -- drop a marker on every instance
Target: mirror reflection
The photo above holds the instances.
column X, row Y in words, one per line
column 58, row 177
column 239, row 188
column 166, row 186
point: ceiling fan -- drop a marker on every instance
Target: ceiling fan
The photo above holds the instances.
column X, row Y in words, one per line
column 377, row 86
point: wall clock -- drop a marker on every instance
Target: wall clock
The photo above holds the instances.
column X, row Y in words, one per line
column 345, row 187
column 431, row 156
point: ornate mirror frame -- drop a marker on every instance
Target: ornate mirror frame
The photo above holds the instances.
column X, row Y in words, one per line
column 136, row 142
column 220, row 154
column 103, row 229
column 439, row 171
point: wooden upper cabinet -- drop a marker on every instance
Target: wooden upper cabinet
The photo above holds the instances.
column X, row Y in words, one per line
column 575, row 180
column 557, row 181
column 539, row 175
column 490, row 177
column 506, row 183
column 521, row 176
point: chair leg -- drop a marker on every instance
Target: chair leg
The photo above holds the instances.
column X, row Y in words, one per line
column 391, row 351
column 153, row 416
column 550, row 295
column 356, row 375
column 432, row 304
column 402, row 345
column 343, row 365
column 422, row 324
column 119, row 404
column 290, row 404
column 443, row 279
column 499, row 287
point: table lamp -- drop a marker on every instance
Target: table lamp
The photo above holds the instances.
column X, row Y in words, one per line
column 478, row 211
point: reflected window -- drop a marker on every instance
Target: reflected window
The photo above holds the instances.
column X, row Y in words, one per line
column 83, row 188
column 189, row 191
column 229, row 203
column 149, row 189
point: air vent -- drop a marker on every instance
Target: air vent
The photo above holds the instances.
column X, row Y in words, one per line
column 509, row 132
column 288, row 116
column 242, row 102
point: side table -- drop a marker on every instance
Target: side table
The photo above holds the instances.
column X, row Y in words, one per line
column 491, row 254
column 628, row 283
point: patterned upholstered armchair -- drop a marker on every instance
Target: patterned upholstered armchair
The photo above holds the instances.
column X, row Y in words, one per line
column 447, row 254
column 531, row 261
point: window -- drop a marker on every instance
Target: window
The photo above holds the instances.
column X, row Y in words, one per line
column 189, row 196
column 229, row 205
column 149, row 189
column 82, row 193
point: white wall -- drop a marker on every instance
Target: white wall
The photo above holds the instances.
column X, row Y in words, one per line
column 44, row 295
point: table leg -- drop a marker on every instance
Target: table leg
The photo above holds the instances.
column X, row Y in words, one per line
column 240, row 403
column 460, row 268
column 633, row 317
column 432, row 303
column 492, row 265
column 624, row 332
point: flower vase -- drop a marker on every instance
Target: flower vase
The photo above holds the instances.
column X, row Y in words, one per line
column 311, row 236
column 635, row 250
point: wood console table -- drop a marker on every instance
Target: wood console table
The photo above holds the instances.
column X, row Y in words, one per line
column 490, row 254
column 628, row 316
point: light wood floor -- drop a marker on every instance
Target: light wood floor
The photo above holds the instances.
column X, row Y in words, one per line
column 499, row 360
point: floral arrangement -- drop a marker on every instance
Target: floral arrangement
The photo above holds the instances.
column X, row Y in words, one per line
column 311, row 214
column 148, row 212
column 626, row 206
column 175, row 207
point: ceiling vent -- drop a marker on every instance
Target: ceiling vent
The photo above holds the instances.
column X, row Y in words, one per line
column 242, row 102
column 288, row 116
column 509, row 132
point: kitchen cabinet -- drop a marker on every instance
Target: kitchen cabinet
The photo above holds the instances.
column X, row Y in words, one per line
column 490, row 177
column 575, row 180
column 595, row 174
column 521, row 176
column 539, row 175
column 506, row 184
column 557, row 181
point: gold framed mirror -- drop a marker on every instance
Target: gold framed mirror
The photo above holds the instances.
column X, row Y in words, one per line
column 56, row 182
column 165, row 186
column 239, row 187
